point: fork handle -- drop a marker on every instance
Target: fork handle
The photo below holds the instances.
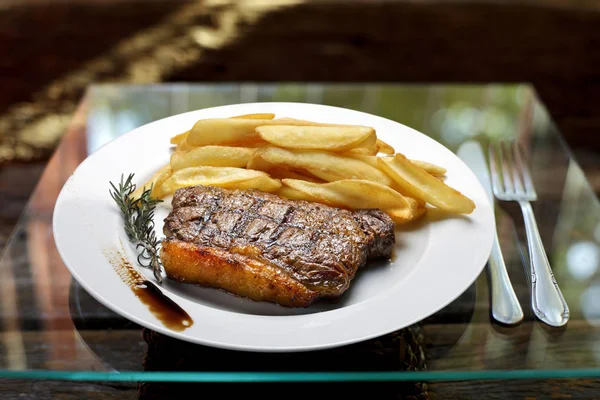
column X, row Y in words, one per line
column 547, row 301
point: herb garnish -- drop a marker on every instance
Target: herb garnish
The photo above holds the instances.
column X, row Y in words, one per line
column 139, row 222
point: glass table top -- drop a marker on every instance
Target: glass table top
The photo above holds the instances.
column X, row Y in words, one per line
column 51, row 328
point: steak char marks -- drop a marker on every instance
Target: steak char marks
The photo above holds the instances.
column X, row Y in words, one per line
column 267, row 248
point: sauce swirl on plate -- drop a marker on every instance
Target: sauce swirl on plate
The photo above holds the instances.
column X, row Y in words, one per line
column 162, row 307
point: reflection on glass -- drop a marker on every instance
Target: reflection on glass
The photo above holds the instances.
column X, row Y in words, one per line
column 99, row 128
column 597, row 233
column 583, row 259
column 460, row 123
column 590, row 304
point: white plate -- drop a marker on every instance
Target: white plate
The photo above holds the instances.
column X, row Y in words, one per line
column 434, row 262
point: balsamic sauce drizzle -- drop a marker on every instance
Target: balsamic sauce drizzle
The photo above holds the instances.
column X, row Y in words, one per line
column 162, row 307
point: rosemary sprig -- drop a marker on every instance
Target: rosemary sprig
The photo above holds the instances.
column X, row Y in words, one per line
column 138, row 217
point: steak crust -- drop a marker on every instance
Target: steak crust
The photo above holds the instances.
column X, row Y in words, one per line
column 261, row 246
column 234, row 273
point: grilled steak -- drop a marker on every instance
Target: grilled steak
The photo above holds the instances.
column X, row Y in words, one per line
column 261, row 246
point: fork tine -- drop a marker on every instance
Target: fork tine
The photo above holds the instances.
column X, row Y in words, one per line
column 516, row 168
column 507, row 168
column 524, row 168
column 497, row 185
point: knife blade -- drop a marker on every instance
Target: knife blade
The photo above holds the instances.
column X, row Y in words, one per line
column 505, row 304
column 471, row 153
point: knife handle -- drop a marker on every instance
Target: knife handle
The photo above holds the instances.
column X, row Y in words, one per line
column 505, row 304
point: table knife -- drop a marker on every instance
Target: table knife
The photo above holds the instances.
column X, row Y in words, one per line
column 505, row 305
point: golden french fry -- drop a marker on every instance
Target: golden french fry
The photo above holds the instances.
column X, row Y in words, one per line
column 329, row 138
column 223, row 131
column 414, row 203
column 181, row 138
column 155, row 182
column 263, row 183
column 419, row 212
column 351, row 193
column 238, row 131
column 255, row 116
column 421, row 185
column 214, row 156
column 257, row 162
column 209, row 176
column 324, row 165
column 368, row 159
column 293, row 194
column 402, row 215
column 368, row 147
column 372, row 161
column 430, row 168
column 184, row 147
column 419, row 202
column 254, row 144
column 332, row 175
column 281, row 172
column 362, row 151
column 303, row 122
column 370, row 141
column 385, row 148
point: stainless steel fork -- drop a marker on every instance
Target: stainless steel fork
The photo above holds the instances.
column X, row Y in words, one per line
column 512, row 182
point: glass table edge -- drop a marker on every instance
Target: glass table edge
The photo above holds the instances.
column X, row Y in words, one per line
column 354, row 376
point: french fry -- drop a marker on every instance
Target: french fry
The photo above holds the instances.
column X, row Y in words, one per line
column 421, row 185
column 293, row 194
column 363, row 151
column 402, row 215
column 239, row 131
column 257, row 162
column 329, row 138
column 351, row 193
column 255, row 116
column 372, row 161
column 224, row 131
column 414, row 203
column 385, row 148
column 252, row 144
column 304, row 122
column 368, row 159
column 184, row 147
column 263, row 183
column 155, row 182
column 181, row 138
column 419, row 212
column 430, row 168
column 214, row 156
column 281, row 172
column 227, row 177
column 368, row 147
column 363, row 171
column 324, row 165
